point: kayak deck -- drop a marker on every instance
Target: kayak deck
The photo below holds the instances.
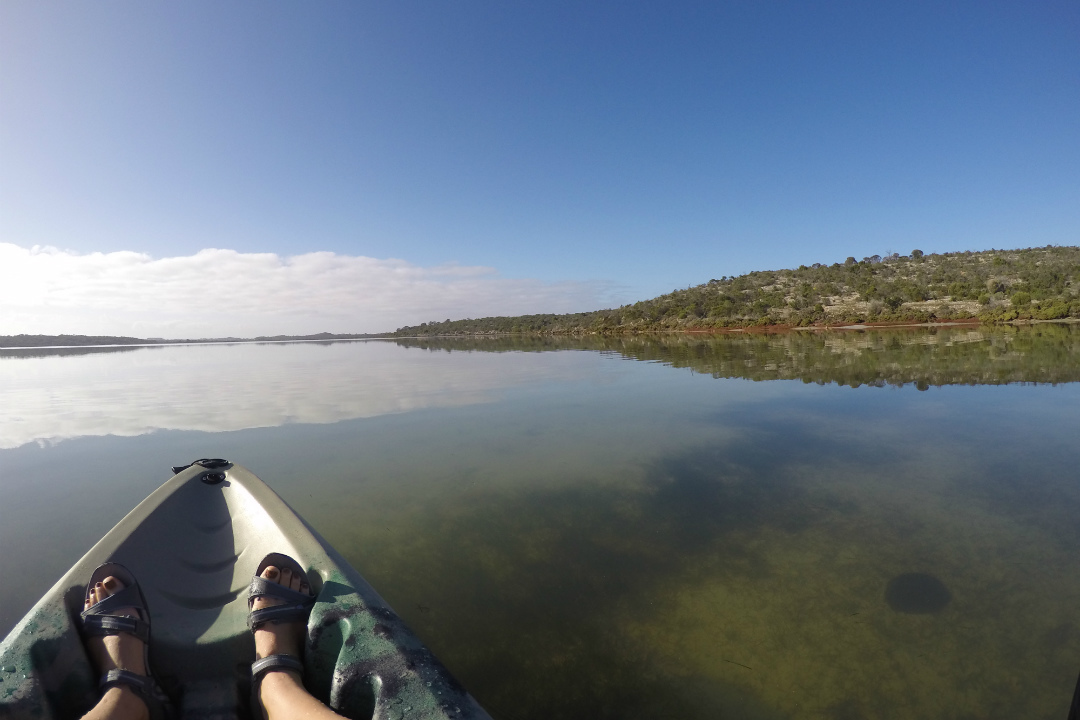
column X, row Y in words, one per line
column 193, row 544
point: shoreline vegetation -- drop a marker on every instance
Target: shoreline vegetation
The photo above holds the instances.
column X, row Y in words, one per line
column 1016, row 287
column 992, row 286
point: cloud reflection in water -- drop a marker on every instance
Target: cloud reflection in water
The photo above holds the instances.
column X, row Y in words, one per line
column 218, row 388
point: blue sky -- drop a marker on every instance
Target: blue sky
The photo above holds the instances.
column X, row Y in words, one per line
column 597, row 152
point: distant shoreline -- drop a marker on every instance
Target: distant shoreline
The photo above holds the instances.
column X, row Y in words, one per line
column 12, row 342
column 750, row 329
column 754, row 329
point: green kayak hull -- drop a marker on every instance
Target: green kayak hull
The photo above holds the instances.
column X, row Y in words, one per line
column 193, row 545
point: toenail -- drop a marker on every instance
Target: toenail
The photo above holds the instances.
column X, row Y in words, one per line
column 271, row 573
column 110, row 583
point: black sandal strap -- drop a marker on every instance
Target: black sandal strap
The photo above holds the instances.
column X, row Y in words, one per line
column 142, row 684
column 145, row 687
column 278, row 614
column 130, row 596
column 276, row 662
column 261, row 587
column 101, row 625
column 297, row 605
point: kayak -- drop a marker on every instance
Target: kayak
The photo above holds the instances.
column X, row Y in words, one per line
column 193, row 545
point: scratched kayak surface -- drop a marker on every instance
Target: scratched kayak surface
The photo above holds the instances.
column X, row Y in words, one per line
column 193, row 544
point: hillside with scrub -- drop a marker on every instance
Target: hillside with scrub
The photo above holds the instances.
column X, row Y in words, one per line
column 993, row 286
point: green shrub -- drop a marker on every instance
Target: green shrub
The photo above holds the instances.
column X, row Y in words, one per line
column 1054, row 311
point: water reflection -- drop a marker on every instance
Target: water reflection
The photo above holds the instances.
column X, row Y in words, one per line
column 47, row 396
column 579, row 536
column 1044, row 353
column 50, row 395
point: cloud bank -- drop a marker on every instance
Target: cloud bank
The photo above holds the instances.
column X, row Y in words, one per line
column 217, row 293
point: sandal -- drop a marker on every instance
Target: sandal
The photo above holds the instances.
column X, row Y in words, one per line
column 297, row 607
column 97, row 622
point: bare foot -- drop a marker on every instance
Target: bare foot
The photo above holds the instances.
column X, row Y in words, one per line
column 112, row 652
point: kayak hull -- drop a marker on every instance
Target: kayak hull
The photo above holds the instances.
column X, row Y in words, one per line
column 194, row 544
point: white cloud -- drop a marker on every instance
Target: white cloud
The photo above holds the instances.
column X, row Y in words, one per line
column 216, row 293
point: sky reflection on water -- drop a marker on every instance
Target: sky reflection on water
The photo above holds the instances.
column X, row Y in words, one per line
column 220, row 388
column 581, row 537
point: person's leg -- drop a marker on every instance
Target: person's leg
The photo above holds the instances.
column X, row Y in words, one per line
column 281, row 691
column 123, row 652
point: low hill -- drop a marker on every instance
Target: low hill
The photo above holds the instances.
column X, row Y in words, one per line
column 991, row 286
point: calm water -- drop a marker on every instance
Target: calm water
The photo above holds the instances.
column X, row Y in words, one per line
column 862, row 525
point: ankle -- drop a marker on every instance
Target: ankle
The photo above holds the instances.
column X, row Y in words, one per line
column 277, row 640
column 124, row 703
column 277, row 685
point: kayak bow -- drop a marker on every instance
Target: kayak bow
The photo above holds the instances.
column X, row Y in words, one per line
column 193, row 544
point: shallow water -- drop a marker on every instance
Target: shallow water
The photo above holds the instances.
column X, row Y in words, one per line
column 861, row 525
